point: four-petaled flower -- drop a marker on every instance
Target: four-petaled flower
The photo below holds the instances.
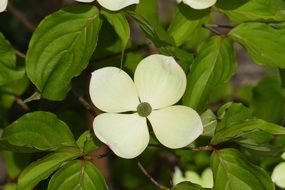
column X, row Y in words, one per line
column 198, row 4
column 159, row 82
column 113, row 5
column 3, row 5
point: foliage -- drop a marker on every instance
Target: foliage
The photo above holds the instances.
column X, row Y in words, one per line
column 46, row 115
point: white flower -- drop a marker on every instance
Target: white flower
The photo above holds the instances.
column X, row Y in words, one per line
column 198, row 4
column 206, row 179
column 3, row 5
column 113, row 5
column 278, row 174
column 159, row 82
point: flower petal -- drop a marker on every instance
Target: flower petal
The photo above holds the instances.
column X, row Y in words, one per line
column 207, row 180
column 112, row 90
column 200, row 4
column 115, row 5
column 126, row 134
column 278, row 175
column 160, row 81
column 3, row 5
column 85, row 1
column 176, row 126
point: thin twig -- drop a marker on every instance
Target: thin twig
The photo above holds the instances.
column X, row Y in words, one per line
column 211, row 29
column 21, row 103
column 162, row 187
column 195, row 149
column 219, row 26
column 20, row 54
column 85, row 104
column 22, row 19
column 132, row 49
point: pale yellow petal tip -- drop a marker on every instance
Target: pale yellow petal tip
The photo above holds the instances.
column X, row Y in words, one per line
column 283, row 156
column 278, row 175
column 85, row 1
column 3, row 5
column 115, row 5
column 199, row 4
column 205, row 180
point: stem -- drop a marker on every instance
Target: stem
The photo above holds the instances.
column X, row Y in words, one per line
column 196, row 149
column 22, row 19
column 136, row 48
column 162, row 187
column 20, row 54
column 21, row 103
column 218, row 26
column 211, row 29
column 85, row 104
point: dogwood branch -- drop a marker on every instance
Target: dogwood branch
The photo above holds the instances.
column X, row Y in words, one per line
column 195, row 149
column 85, row 104
column 22, row 19
column 161, row 187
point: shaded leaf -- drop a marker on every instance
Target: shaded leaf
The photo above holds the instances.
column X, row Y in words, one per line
column 41, row 169
column 8, row 69
column 120, row 24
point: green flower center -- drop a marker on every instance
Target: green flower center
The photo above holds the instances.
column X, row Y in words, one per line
column 144, row 109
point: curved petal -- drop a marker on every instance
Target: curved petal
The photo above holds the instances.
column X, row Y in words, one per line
column 126, row 134
column 200, row 4
column 112, row 90
column 85, row 1
column 160, row 81
column 115, row 5
column 283, row 156
column 3, row 5
column 176, row 126
column 207, row 180
column 278, row 175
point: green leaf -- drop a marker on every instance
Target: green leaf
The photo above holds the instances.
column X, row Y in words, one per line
column 8, row 69
column 120, row 24
column 187, row 23
column 37, row 131
column 15, row 162
column 10, row 186
column 233, row 172
column 255, row 134
column 232, row 113
column 8, row 95
column 41, row 169
column 209, row 121
column 264, row 44
column 187, row 186
column 149, row 30
column 214, row 65
column 61, row 47
column 184, row 58
column 147, row 10
column 78, row 175
column 252, row 10
column 87, row 142
column 268, row 95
